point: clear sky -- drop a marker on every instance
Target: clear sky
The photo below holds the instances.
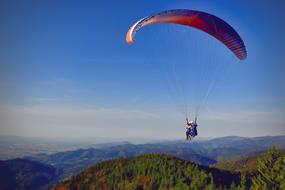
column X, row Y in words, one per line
column 66, row 71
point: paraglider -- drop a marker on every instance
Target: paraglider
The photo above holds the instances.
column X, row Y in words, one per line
column 206, row 22
column 214, row 26
column 191, row 129
column 188, row 129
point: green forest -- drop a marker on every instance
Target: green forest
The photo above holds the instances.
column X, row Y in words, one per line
column 160, row 171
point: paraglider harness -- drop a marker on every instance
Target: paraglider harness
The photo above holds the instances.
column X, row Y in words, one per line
column 191, row 131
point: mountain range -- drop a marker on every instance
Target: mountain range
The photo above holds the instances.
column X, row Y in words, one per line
column 222, row 153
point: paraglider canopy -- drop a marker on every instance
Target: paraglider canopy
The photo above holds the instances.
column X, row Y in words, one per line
column 206, row 22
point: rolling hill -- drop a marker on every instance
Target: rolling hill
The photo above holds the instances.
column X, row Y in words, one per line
column 24, row 174
column 244, row 164
column 150, row 171
column 159, row 171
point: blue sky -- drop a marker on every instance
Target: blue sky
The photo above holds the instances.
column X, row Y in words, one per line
column 66, row 70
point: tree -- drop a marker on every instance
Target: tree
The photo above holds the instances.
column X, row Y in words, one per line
column 270, row 171
column 242, row 185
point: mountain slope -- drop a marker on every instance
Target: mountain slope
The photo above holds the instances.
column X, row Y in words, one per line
column 24, row 174
column 245, row 163
column 150, row 171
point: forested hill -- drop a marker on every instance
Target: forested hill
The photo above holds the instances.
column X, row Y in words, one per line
column 245, row 164
column 150, row 171
column 24, row 174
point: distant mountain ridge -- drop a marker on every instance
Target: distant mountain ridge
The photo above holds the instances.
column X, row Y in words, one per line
column 206, row 152
column 73, row 162
column 232, row 146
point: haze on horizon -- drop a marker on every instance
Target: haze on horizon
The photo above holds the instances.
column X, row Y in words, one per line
column 66, row 70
